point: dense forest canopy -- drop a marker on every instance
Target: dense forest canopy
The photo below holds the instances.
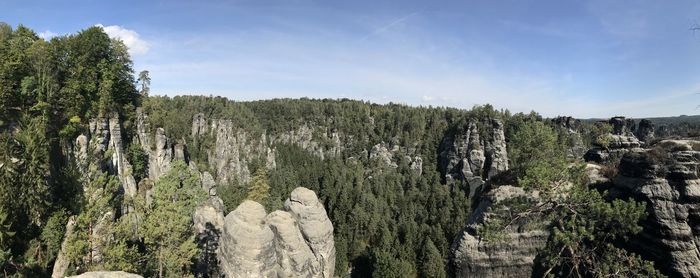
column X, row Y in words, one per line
column 389, row 220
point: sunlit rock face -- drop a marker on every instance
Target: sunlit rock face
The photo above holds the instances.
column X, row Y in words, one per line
column 296, row 242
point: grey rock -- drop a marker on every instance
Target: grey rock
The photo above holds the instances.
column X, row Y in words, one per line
column 297, row 242
column 417, row 165
column 246, row 248
column 208, row 223
column 497, row 153
column 470, row 256
column 199, row 125
column 161, row 158
column 62, row 263
column 383, row 154
column 315, row 226
column 645, row 131
column 294, row 256
column 666, row 179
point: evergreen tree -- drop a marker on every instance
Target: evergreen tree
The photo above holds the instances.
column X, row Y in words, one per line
column 166, row 230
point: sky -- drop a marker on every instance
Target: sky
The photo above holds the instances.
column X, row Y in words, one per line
column 586, row 59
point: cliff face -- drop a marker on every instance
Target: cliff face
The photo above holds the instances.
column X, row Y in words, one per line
column 666, row 179
column 297, row 242
column 513, row 256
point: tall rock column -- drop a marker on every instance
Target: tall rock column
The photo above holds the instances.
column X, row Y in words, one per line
column 497, row 153
column 314, row 225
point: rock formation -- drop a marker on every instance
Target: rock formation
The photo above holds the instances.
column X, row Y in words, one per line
column 620, row 141
column 471, row 256
column 666, row 179
column 573, row 127
column 297, row 242
column 463, row 156
column 107, row 274
column 645, row 131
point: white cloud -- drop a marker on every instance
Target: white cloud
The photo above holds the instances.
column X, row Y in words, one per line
column 131, row 39
column 428, row 98
column 47, row 35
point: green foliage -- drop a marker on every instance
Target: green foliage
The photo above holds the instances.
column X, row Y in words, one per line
column 166, row 230
column 259, row 188
column 432, row 263
column 386, row 265
column 5, row 234
column 139, row 161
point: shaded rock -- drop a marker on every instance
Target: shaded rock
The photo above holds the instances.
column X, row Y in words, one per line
column 208, row 223
column 666, row 179
column 471, row 256
column 417, row 165
column 62, row 263
column 645, row 131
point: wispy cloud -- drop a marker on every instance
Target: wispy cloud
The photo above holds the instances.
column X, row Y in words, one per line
column 388, row 26
column 131, row 39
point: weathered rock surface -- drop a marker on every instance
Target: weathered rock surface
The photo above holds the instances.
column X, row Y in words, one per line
column 463, row 157
column 107, row 274
column 247, row 247
column 573, row 127
column 496, row 150
column 645, row 131
column 471, row 256
column 293, row 254
column 208, row 223
column 62, row 263
column 666, row 179
column 315, row 226
column 297, row 242
column 620, row 142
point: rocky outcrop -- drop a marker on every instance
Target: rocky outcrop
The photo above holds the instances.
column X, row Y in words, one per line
column 497, row 154
column 208, row 223
column 619, row 142
column 572, row 126
column 247, row 247
column 666, row 179
column 512, row 256
column 297, row 242
column 381, row 153
column 294, row 256
column 315, row 226
column 463, row 156
column 622, row 126
column 645, row 131
column 107, row 274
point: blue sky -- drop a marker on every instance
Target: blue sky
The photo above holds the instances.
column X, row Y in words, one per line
column 558, row 57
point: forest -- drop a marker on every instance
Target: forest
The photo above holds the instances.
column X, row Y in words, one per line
column 389, row 220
